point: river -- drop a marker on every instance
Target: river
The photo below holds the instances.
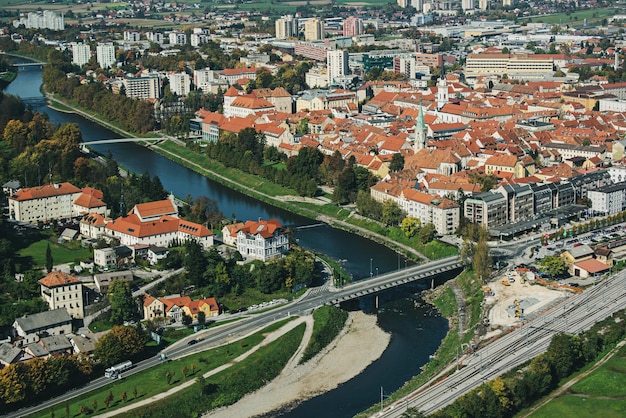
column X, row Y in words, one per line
column 416, row 331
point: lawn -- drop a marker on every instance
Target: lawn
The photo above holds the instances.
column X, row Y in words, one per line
column 69, row 252
column 593, row 16
column 580, row 407
column 600, row 394
column 153, row 380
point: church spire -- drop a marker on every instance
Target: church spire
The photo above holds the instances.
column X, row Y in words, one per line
column 420, row 130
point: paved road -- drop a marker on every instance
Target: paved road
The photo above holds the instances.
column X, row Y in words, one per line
column 251, row 323
column 573, row 315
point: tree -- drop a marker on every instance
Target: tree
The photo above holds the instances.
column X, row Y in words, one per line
column 553, row 265
column 201, row 318
column 565, row 355
column 119, row 344
column 427, row 233
column 49, row 262
column 187, row 320
column 487, row 182
column 467, row 251
column 392, row 214
column 123, row 307
column 397, row 162
column 409, row 226
column 482, row 262
column 108, row 399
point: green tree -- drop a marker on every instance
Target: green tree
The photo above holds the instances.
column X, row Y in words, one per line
column 123, row 307
column 49, row 262
column 187, row 320
column 397, row 162
column 482, row 262
column 427, row 233
column 120, row 343
column 565, row 354
column 391, row 213
column 201, row 318
column 487, row 182
column 553, row 265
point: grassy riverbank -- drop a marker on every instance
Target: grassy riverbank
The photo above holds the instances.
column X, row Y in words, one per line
column 444, row 360
column 153, row 381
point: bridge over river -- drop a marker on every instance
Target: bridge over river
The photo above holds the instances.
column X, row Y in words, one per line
column 423, row 272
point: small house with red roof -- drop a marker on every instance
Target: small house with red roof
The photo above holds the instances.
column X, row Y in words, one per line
column 175, row 307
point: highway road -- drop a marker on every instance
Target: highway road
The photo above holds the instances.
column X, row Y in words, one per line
column 573, row 315
column 252, row 322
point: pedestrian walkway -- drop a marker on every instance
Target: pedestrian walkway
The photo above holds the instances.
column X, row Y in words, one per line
column 308, row 320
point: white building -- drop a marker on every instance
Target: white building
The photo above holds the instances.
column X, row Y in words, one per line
column 42, row 20
column 608, row 200
column 180, row 83
column 131, row 36
column 60, row 290
column 197, row 39
column 142, row 88
column 156, row 37
column 262, row 240
column 337, row 64
column 43, row 203
column 177, row 38
column 105, row 54
column 286, row 27
column 81, row 53
column 467, row 5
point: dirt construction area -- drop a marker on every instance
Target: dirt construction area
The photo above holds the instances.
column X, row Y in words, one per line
column 520, row 298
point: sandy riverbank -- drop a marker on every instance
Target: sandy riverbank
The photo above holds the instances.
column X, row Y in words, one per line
column 343, row 359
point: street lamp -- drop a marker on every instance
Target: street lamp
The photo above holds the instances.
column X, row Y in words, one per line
column 371, row 272
column 376, row 271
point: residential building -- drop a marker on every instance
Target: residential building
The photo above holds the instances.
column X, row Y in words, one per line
column 431, row 209
column 279, row 97
column 156, row 254
column 143, row 88
column 105, row 54
column 608, row 200
column 542, row 198
column 112, row 257
column 30, row 328
column 337, row 64
column 486, row 209
column 467, row 5
column 313, row 29
column 131, row 36
column 104, row 280
column 175, row 307
column 46, row 19
column 61, row 290
column 81, row 54
column 177, row 38
column 520, row 201
column 590, row 268
column 262, row 240
column 180, row 83
column 92, row 225
column 286, row 27
column 156, row 37
column 352, row 26
column 245, row 105
column 43, row 203
column 157, row 223
column 229, row 233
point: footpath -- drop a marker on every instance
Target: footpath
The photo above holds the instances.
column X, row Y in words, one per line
column 308, row 320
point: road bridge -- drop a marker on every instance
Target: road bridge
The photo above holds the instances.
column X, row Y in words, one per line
column 29, row 64
column 422, row 272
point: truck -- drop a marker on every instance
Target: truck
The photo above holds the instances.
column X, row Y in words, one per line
column 113, row 372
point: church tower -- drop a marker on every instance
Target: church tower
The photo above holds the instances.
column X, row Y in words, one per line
column 442, row 88
column 420, row 131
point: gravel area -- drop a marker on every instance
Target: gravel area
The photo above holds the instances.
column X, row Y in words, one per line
column 346, row 357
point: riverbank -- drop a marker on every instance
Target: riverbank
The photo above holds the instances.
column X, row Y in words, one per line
column 346, row 357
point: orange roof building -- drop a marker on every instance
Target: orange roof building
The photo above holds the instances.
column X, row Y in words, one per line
column 61, row 290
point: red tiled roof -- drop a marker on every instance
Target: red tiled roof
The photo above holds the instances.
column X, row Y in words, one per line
column 58, row 278
column 157, row 208
column 592, row 265
column 47, row 190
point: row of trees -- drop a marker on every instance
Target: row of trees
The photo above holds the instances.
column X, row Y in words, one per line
column 303, row 172
column 212, row 274
column 133, row 115
column 505, row 396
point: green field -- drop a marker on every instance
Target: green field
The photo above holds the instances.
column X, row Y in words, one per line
column 68, row 252
column 593, row 17
column 600, row 394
